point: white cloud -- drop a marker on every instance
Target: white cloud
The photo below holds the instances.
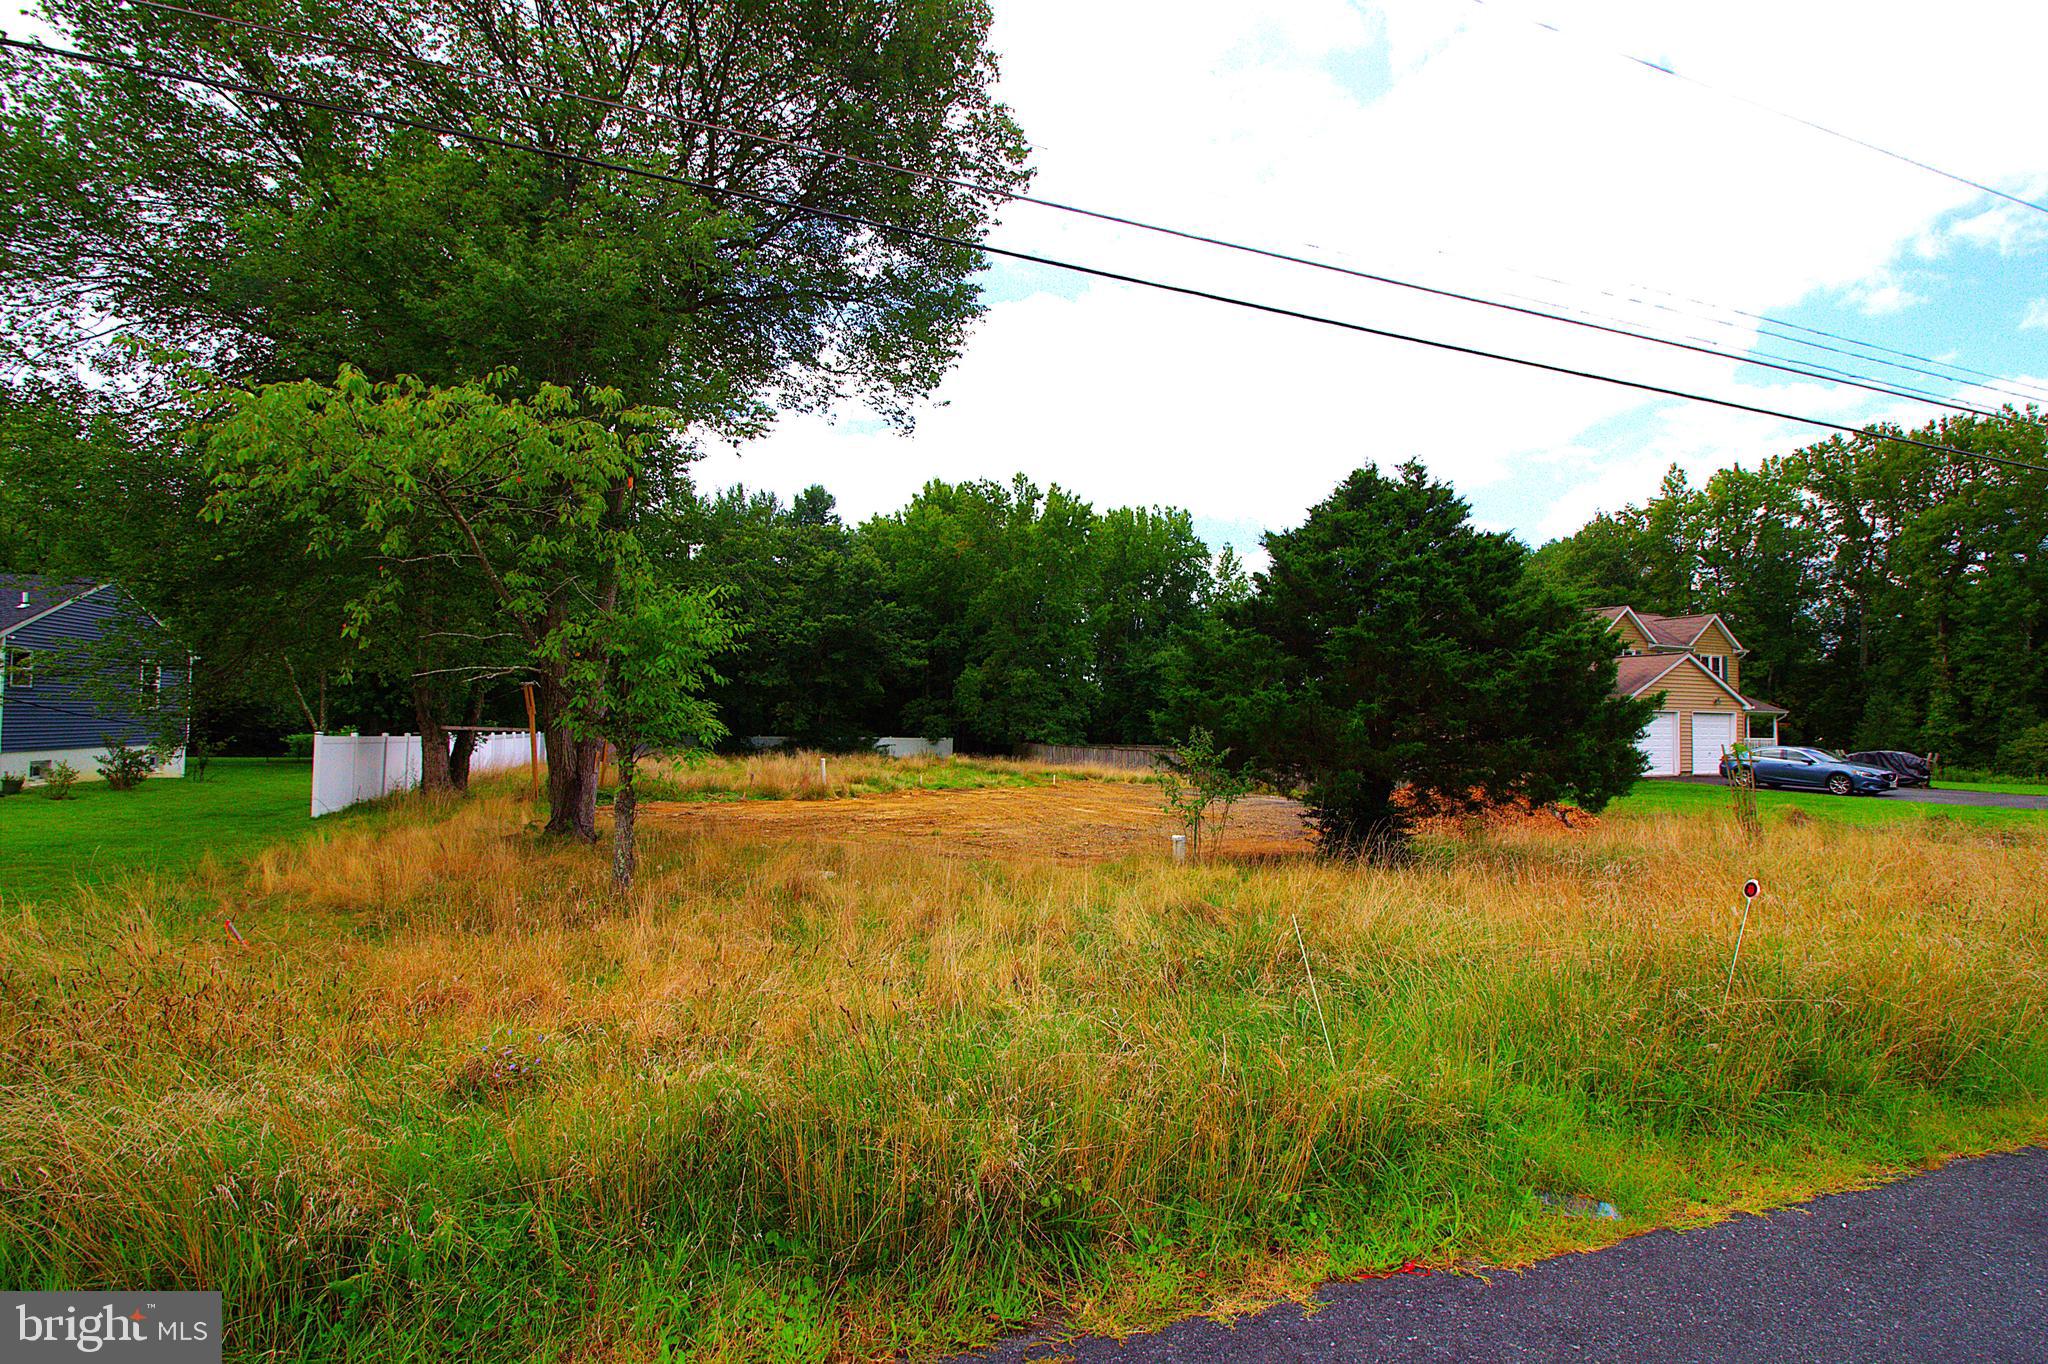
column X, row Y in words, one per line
column 1882, row 297
column 2036, row 318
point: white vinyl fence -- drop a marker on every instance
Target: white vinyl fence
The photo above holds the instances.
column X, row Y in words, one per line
column 351, row 768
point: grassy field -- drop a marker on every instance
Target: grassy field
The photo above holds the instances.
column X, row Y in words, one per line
column 817, row 776
column 803, row 1102
column 49, row 848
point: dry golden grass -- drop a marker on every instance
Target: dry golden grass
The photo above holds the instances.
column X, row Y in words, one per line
column 808, row 1100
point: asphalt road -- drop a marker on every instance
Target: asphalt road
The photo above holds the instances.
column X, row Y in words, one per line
column 1951, row 1265
column 1940, row 795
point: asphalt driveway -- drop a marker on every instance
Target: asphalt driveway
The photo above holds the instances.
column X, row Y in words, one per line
column 1951, row 1265
column 1940, row 795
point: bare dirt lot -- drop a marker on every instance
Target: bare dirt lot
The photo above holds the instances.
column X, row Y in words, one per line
column 1068, row 821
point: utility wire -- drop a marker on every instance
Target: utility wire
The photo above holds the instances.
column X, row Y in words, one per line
column 2024, row 391
column 1783, row 366
column 226, row 85
column 1788, row 116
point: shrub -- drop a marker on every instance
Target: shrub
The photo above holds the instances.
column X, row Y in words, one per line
column 298, row 746
column 1198, row 780
column 2026, row 753
column 58, row 781
column 125, row 767
column 11, row 784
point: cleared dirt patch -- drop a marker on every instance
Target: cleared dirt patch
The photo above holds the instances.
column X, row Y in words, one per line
column 1069, row 821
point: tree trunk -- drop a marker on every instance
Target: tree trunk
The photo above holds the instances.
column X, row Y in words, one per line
column 465, row 742
column 572, row 770
column 434, row 774
column 625, row 857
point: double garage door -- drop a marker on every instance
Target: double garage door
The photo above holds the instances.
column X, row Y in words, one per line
column 1712, row 733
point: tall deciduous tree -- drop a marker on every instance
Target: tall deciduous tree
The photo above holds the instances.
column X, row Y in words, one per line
column 525, row 498
column 1391, row 644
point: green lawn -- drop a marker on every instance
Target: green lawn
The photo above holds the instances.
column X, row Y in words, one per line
column 2017, row 788
column 49, row 847
column 1679, row 797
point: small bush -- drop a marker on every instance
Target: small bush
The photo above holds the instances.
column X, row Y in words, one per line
column 298, row 746
column 58, row 781
column 125, row 767
column 11, row 784
column 198, row 754
column 2026, row 753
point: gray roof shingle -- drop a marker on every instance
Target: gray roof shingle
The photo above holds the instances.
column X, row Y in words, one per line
column 24, row 596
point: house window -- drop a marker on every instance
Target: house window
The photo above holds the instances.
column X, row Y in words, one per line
column 149, row 684
column 21, row 669
column 1717, row 664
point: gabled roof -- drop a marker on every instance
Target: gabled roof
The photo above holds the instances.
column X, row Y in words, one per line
column 1670, row 632
column 1613, row 615
column 1634, row 676
column 25, row 597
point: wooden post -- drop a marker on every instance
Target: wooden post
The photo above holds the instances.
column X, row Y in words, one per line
column 532, row 740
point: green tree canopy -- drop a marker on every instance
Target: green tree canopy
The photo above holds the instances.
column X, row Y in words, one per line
column 276, row 241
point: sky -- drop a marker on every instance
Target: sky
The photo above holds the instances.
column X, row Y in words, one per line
column 1465, row 145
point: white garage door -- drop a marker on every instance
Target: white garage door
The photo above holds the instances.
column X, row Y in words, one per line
column 1660, row 744
column 1712, row 733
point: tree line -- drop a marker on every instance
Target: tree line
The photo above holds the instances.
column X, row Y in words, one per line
column 1891, row 596
column 993, row 613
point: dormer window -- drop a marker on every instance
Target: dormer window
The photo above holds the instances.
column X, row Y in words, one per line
column 1717, row 664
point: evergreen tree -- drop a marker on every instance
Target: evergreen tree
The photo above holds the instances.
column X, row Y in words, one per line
column 1393, row 645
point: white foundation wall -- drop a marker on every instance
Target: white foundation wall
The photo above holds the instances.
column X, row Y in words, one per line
column 85, row 761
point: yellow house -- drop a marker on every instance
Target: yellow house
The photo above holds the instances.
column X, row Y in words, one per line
column 1693, row 666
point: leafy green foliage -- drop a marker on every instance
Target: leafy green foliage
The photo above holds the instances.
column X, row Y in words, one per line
column 1391, row 644
column 58, row 781
column 2026, row 753
column 276, row 241
column 1200, row 786
column 1036, row 618
column 513, row 508
column 125, row 766
column 635, row 676
column 821, row 638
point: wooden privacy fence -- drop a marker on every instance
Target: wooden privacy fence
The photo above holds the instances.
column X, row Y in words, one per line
column 1139, row 757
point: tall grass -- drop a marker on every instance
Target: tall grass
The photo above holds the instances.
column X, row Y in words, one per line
column 805, row 1101
column 809, row 775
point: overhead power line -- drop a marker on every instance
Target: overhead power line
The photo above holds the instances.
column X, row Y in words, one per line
column 2020, row 389
column 229, row 86
column 1822, row 374
column 1785, row 114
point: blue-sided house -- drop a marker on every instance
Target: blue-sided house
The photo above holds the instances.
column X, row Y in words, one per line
column 81, row 662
